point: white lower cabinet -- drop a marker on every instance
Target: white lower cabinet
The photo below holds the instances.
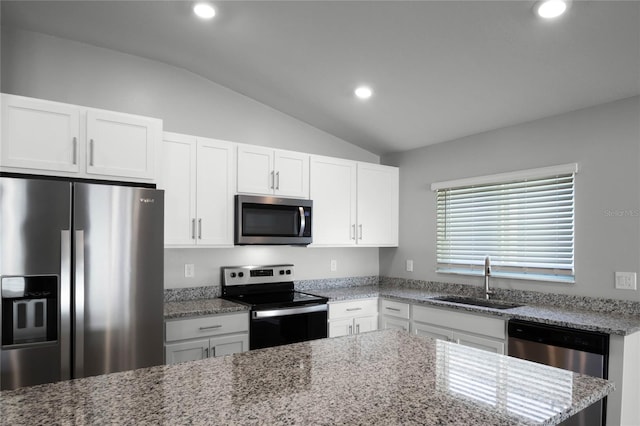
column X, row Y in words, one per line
column 472, row 330
column 203, row 337
column 353, row 317
column 394, row 314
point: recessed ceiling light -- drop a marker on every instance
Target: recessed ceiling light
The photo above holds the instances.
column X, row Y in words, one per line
column 204, row 10
column 549, row 9
column 363, row 92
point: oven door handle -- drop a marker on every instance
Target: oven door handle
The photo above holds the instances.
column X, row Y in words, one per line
column 288, row 311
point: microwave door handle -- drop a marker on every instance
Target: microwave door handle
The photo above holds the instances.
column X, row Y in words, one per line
column 303, row 222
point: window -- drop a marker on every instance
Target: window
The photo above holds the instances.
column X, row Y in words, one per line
column 524, row 221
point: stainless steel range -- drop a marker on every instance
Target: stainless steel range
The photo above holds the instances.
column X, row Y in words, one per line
column 279, row 314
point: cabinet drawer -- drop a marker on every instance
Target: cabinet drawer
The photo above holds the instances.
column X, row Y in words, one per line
column 478, row 324
column 206, row 326
column 394, row 309
column 353, row 308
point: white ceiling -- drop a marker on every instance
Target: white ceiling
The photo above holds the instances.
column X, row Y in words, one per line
column 440, row 70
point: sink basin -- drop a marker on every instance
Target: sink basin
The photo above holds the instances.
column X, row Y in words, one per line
column 495, row 304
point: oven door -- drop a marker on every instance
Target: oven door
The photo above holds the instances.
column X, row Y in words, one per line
column 281, row 326
column 272, row 221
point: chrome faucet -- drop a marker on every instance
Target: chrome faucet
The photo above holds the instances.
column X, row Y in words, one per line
column 487, row 274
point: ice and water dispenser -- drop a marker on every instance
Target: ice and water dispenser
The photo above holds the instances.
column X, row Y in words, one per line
column 30, row 353
column 29, row 310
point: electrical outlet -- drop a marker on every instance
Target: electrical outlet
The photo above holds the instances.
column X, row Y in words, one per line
column 626, row 281
column 189, row 270
column 409, row 265
column 334, row 265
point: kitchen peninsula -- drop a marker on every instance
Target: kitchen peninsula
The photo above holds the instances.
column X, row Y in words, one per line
column 385, row 377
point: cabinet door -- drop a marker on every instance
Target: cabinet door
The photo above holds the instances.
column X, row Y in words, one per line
column 387, row 322
column 378, row 198
column 479, row 342
column 333, row 191
column 341, row 327
column 39, row 134
column 188, row 351
column 432, row 331
column 178, row 179
column 255, row 170
column 121, row 145
column 227, row 345
column 215, row 190
column 291, row 174
column 364, row 324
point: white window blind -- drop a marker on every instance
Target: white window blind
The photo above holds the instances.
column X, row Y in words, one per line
column 526, row 225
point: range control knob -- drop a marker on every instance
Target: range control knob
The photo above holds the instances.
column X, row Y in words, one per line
column 233, row 275
column 241, row 274
column 288, row 271
column 281, row 271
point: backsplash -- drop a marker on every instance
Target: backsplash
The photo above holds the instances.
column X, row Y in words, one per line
column 624, row 307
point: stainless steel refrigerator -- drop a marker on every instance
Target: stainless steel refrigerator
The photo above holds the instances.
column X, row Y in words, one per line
column 81, row 271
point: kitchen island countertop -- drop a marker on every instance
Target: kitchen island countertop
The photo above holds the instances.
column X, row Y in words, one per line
column 385, row 377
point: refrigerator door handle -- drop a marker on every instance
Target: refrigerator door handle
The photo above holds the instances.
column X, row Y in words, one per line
column 65, row 304
column 78, row 356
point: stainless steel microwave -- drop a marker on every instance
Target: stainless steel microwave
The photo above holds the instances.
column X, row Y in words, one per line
column 263, row 220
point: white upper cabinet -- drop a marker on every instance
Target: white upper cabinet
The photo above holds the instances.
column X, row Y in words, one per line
column 39, row 135
column 333, row 191
column 121, row 145
column 197, row 175
column 378, row 205
column 272, row 172
column 215, row 190
column 52, row 138
column 354, row 203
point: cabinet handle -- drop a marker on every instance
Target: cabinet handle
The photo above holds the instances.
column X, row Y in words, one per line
column 393, row 309
column 199, row 229
column 210, row 327
column 91, row 152
column 193, row 229
column 206, row 352
column 75, row 150
column 213, row 351
column 273, row 179
column 351, row 329
column 357, row 328
column 353, row 309
column 353, row 232
column 360, row 227
column 278, row 180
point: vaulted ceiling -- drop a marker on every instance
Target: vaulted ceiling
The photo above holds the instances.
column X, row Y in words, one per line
column 440, row 70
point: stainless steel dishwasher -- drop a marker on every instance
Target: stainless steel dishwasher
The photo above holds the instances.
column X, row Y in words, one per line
column 575, row 350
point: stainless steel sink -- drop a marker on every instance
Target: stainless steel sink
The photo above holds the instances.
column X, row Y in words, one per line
column 495, row 304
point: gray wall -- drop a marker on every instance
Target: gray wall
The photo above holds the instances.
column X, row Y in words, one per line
column 603, row 140
column 51, row 68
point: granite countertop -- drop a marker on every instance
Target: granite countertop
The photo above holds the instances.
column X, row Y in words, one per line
column 200, row 307
column 384, row 377
column 583, row 319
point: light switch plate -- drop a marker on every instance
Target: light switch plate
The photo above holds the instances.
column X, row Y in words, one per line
column 626, row 281
column 334, row 265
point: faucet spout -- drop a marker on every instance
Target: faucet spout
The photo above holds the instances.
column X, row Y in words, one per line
column 487, row 274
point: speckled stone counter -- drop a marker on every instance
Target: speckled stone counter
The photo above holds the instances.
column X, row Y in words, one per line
column 604, row 322
column 192, row 308
column 386, row 377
